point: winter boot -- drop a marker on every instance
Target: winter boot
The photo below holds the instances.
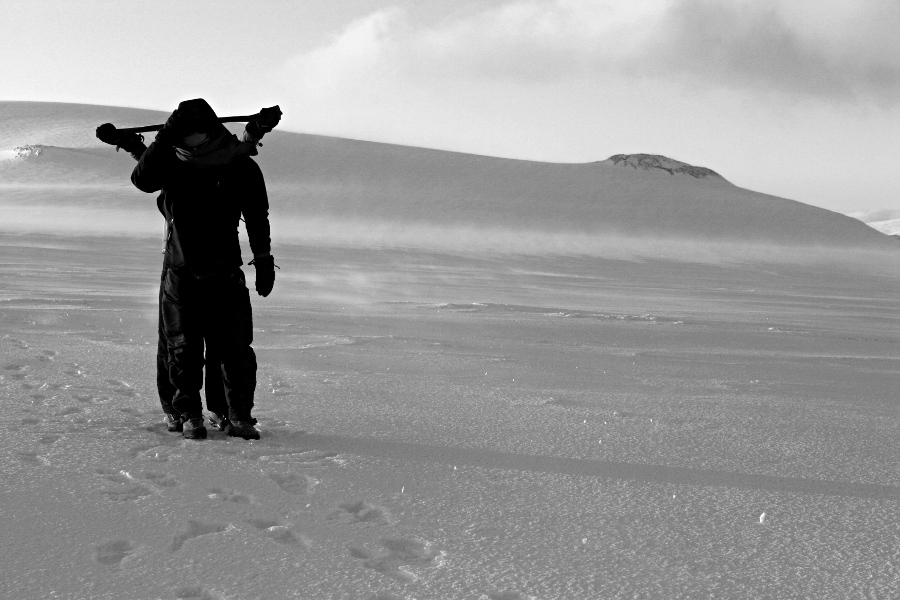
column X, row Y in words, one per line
column 243, row 429
column 173, row 422
column 218, row 421
column 193, row 428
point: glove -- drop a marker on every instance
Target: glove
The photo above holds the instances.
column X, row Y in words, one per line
column 130, row 142
column 108, row 134
column 265, row 274
column 170, row 134
column 264, row 122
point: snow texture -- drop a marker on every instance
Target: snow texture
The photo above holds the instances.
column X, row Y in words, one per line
column 431, row 416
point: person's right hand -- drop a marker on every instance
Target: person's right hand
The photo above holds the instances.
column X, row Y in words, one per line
column 108, row 134
column 171, row 133
column 129, row 141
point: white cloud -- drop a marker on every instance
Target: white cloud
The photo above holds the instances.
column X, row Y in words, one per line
column 874, row 216
column 363, row 48
column 845, row 51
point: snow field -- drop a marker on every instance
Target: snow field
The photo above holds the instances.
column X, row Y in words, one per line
column 432, row 428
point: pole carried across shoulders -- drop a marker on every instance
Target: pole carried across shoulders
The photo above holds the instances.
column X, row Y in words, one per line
column 267, row 117
column 236, row 119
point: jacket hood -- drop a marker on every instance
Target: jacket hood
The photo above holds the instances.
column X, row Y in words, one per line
column 197, row 116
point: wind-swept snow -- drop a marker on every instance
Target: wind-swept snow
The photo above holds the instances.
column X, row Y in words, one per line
column 342, row 181
column 452, row 419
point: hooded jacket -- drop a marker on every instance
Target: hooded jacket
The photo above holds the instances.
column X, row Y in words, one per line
column 203, row 204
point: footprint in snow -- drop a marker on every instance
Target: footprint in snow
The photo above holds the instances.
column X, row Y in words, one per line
column 74, row 370
column 50, row 439
column 281, row 388
column 121, row 476
column 129, row 489
column 361, row 512
column 315, row 458
column 230, row 496
column 262, row 524
column 121, row 388
column 21, row 345
column 16, row 371
column 195, row 529
column 31, row 457
column 280, row 533
column 398, row 553
column 196, row 593
column 114, row 475
column 113, row 552
column 294, row 483
column 130, row 493
column 159, row 479
column 301, row 458
column 46, row 355
column 154, row 452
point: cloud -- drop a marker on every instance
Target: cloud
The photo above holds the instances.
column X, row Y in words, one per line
column 830, row 49
column 834, row 50
column 874, row 216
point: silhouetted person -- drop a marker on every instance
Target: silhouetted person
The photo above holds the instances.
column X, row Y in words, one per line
column 208, row 181
column 213, row 388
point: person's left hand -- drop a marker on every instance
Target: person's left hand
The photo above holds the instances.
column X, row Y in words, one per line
column 265, row 274
column 268, row 118
column 264, row 122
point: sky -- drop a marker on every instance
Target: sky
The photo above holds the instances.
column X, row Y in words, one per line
column 796, row 98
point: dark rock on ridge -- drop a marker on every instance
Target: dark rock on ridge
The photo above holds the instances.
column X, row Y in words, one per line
column 661, row 163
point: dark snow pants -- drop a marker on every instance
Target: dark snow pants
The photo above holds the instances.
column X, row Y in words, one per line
column 213, row 388
column 213, row 311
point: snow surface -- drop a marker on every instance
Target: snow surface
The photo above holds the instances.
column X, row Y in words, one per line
column 460, row 425
column 484, row 410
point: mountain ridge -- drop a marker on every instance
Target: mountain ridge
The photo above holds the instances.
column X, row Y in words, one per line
column 320, row 177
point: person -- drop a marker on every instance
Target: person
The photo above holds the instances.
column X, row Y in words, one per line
column 213, row 387
column 207, row 180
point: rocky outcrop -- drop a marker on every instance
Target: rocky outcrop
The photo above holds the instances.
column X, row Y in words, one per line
column 655, row 162
column 27, row 151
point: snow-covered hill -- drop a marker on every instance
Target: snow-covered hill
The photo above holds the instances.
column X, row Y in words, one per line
column 357, row 184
